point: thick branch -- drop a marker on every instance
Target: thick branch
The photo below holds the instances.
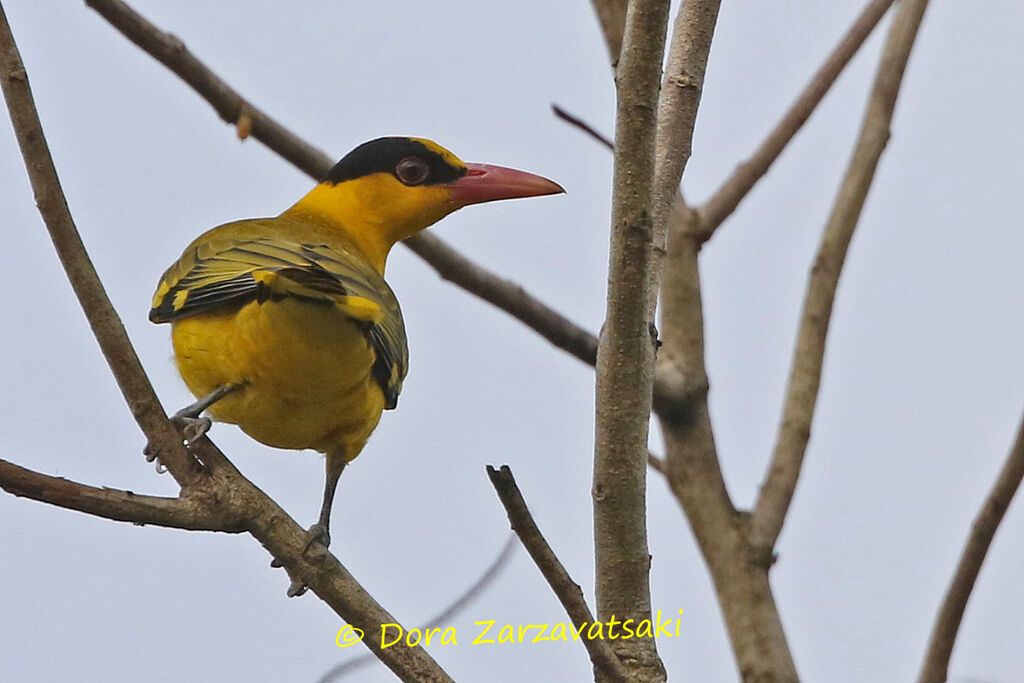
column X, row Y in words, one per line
column 192, row 512
column 233, row 108
column 936, row 662
column 805, row 375
column 625, row 356
column 568, row 591
column 725, row 200
column 680, row 396
column 103, row 319
column 694, row 474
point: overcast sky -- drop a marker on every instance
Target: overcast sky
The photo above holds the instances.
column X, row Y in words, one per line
column 921, row 394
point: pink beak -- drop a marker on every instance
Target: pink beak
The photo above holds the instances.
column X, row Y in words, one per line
column 484, row 183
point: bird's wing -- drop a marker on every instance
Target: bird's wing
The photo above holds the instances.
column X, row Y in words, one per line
column 216, row 273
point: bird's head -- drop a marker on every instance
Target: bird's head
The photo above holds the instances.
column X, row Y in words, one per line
column 389, row 189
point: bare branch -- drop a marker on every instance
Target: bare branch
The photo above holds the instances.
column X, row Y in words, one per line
column 692, row 32
column 655, row 463
column 445, row 616
column 936, row 662
column 234, row 109
column 314, row 566
column 680, row 395
column 506, row 295
column 805, row 375
column 170, row 51
column 612, row 15
column 725, row 200
column 103, row 319
column 582, row 125
column 625, row 354
column 694, row 474
column 567, row 590
column 192, row 512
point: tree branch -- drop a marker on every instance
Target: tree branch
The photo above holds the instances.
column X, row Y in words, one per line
column 625, row 355
column 103, row 319
column 568, row 591
column 582, row 125
column 444, row 616
column 692, row 33
column 234, row 109
column 612, row 16
column 935, row 668
column 725, row 200
column 681, row 386
column 506, row 295
column 193, row 512
column 805, row 375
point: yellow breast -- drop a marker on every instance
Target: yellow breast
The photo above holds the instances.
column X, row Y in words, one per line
column 306, row 369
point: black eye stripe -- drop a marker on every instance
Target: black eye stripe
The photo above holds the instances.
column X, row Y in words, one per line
column 382, row 156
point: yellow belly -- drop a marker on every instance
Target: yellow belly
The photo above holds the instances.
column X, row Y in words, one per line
column 306, row 369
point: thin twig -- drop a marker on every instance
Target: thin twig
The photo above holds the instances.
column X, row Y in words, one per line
column 727, row 197
column 231, row 107
column 192, row 512
column 566, row 590
column 506, row 295
column 582, row 125
column 655, row 463
column 805, row 375
column 445, row 616
column 947, row 623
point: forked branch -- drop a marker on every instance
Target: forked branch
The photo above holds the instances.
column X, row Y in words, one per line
column 194, row 512
column 727, row 197
column 805, row 375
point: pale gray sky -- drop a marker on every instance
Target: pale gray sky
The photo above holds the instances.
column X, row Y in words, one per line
column 922, row 386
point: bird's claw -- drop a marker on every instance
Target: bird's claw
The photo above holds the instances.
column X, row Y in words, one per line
column 192, row 428
column 318, row 533
column 152, row 454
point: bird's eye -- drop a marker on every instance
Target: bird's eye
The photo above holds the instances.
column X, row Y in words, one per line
column 412, row 170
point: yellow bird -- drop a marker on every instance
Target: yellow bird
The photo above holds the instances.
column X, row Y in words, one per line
column 285, row 326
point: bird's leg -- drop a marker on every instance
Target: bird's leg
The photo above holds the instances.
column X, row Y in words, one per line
column 321, row 531
column 188, row 419
column 334, row 466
